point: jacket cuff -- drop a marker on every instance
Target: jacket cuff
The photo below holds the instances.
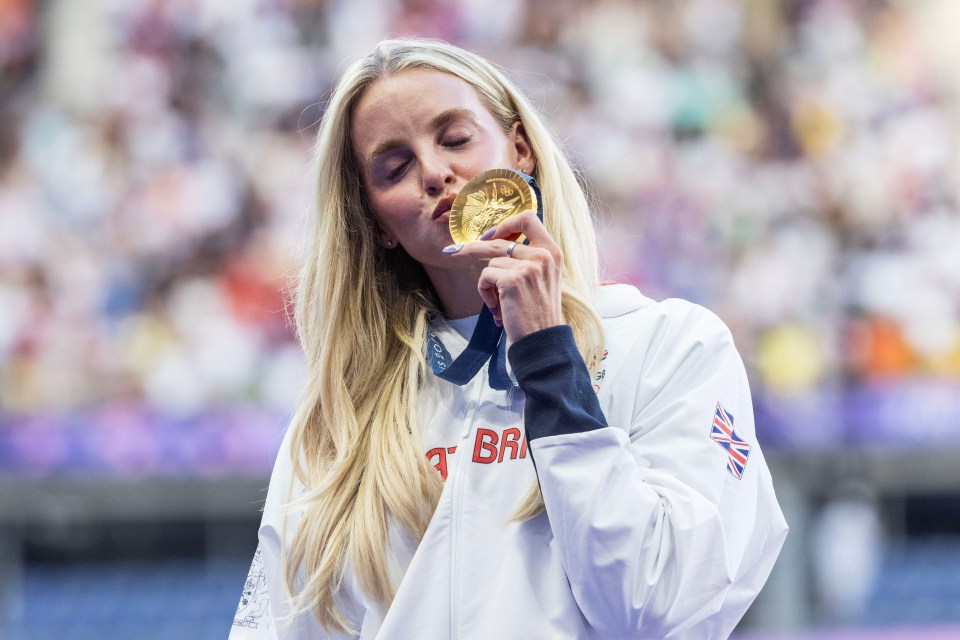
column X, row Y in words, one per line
column 559, row 393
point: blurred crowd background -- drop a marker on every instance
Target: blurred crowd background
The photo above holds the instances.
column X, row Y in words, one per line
column 791, row 164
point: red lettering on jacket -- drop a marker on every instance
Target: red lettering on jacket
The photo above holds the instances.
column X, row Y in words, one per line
column 488, row 447
column 511, row 440
column 485, row 448
column 441, row 463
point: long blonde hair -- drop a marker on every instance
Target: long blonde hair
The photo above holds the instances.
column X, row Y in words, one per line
column 355, row 443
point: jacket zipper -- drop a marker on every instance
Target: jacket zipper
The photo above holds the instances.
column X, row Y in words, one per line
column 480, row 381
column 455, row 554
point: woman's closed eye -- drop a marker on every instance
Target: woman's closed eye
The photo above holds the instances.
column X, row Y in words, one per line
column 456, row 141
column 395, row 171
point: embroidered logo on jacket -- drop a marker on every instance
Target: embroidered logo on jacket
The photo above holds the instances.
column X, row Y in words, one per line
column 255, row 598
column 738, row 450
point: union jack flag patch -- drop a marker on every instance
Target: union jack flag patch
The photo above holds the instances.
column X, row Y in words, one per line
column 738, row 450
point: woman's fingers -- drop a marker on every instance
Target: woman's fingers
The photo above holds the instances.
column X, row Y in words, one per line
column 500, row 241
column 520, row 283
column 526, row 223
column 491, row 298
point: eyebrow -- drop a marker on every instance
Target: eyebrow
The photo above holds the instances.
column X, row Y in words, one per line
column 436, row 122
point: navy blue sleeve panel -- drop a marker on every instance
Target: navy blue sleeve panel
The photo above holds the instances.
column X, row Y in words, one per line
column 559, row 393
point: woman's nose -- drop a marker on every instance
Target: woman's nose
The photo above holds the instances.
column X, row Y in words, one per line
column 437, row 175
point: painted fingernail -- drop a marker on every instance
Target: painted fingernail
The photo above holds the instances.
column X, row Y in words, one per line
column 453, row 248
column 488, row 233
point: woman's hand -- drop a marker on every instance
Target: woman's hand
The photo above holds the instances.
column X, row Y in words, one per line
column 521, row 283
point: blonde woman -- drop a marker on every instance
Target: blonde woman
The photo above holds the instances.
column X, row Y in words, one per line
column 609, row 486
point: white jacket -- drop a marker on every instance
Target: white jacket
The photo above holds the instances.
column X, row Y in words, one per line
column 648, row 530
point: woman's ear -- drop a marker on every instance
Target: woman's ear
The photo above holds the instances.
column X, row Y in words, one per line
column 524, row 159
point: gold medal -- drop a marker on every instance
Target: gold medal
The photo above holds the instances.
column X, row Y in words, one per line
column 487, row 200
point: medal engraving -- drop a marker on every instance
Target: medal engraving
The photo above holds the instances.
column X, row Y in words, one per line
column 486, row 201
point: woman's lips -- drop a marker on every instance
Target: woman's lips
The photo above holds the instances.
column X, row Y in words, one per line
column 442, row 210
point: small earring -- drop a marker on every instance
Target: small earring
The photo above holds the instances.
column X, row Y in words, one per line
column 389, row 243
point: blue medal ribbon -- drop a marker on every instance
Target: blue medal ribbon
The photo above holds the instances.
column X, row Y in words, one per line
column 488, row 342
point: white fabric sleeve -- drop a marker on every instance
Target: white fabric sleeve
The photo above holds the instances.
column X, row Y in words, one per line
column 263, row 591
column 263, row 612
column 658, row 538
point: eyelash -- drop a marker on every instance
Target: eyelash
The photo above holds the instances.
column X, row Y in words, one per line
column 459, row 142
column 395, row 173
